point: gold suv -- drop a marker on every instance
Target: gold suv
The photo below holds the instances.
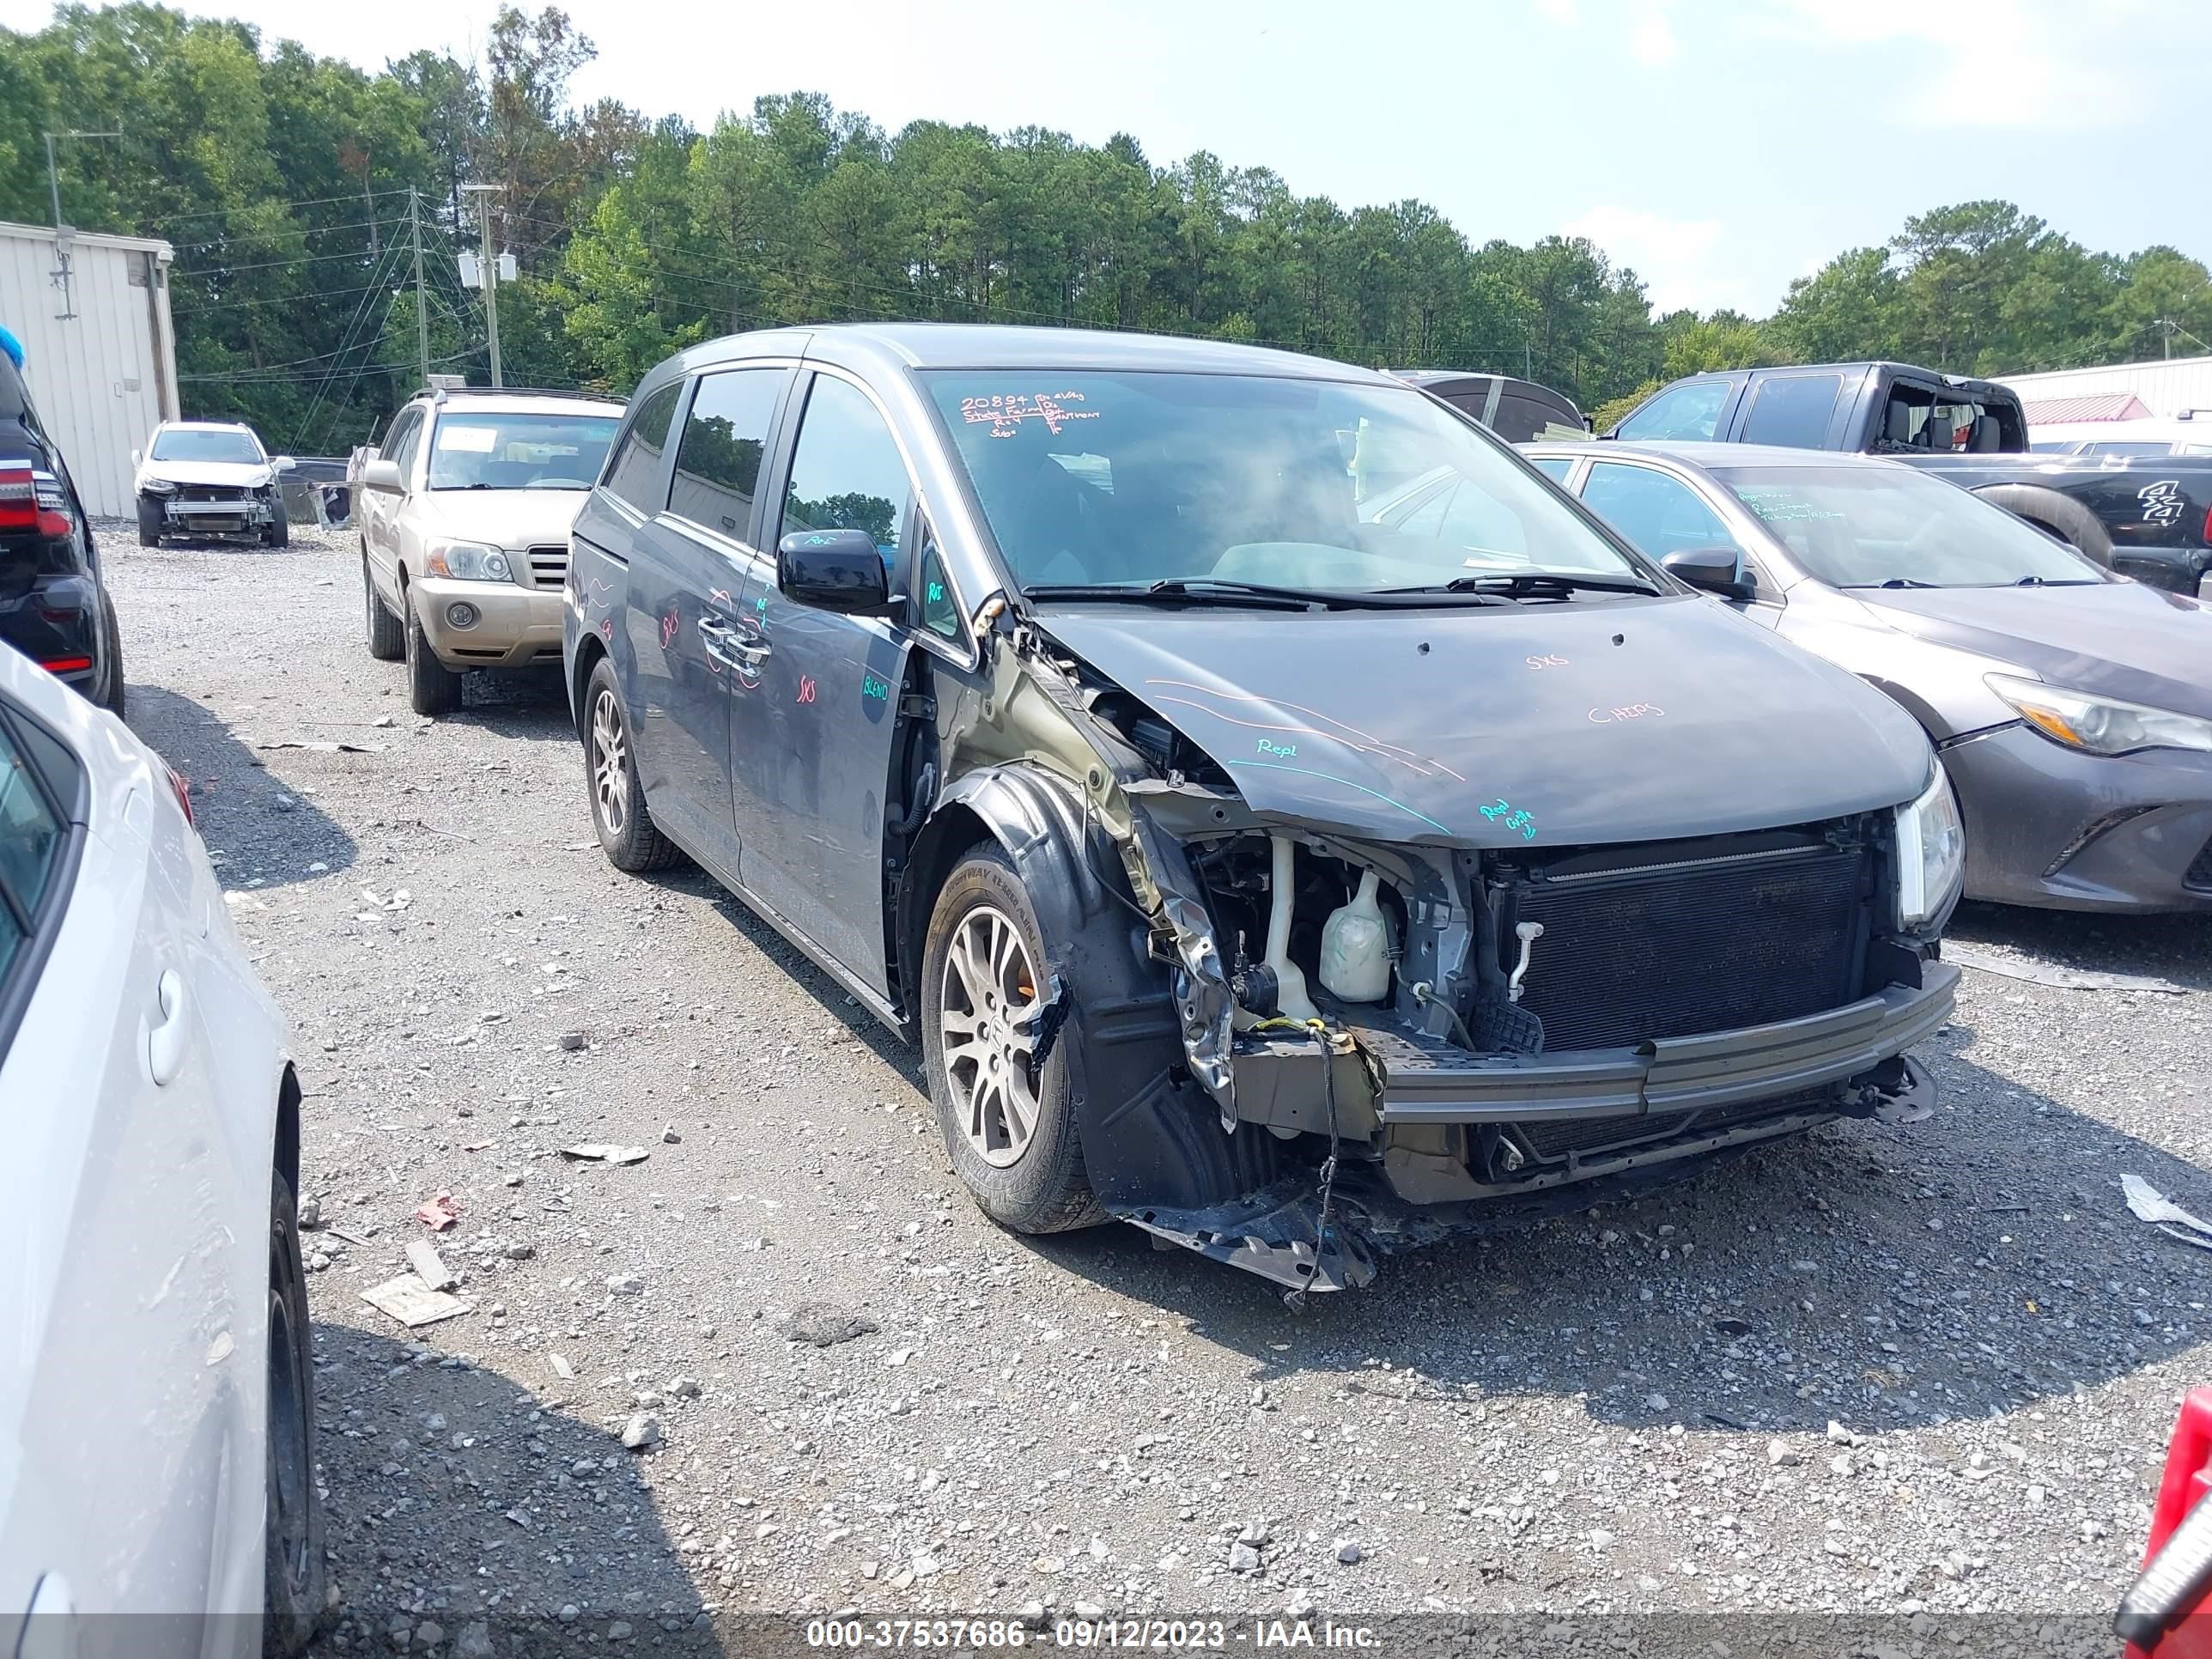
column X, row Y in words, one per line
column 465, row 512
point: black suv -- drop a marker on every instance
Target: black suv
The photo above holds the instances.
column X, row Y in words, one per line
column 53, row 608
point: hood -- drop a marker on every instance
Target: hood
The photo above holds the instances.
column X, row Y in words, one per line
column 511, row 519
column 2120, row 639
column 250, row 475
column 1595, row 721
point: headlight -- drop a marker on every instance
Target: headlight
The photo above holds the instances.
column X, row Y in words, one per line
column 468, row 562
column 158, row 487
column 2099, row 725
column 1932, row 852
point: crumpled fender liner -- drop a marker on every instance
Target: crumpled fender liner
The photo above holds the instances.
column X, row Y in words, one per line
column 1150, row 1137
column 1270, row 1232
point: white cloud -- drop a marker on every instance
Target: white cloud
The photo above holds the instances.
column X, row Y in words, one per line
column 1652, row 40
column 1565, row 13
column 1678, row 259
column 1997, row 63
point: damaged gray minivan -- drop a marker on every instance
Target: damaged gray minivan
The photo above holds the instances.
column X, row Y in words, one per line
column 1288, row 823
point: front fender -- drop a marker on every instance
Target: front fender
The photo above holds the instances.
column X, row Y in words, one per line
column 1151, row 1136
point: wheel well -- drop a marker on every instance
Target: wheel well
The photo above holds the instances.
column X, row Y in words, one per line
column 589, row 649
column 943, row 842
column 287, row 1127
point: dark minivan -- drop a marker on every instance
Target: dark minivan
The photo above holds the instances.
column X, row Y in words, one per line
column 53, row 607
column 1287, row 823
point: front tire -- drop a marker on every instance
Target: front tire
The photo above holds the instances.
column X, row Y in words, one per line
column 1008, row 1124
column 149, row 522
column 619, row 813
column 433, row 689
column 277, row 532
column 387, row 641
column 295, row 1576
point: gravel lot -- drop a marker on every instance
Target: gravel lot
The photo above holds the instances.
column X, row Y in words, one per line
column 1920, row 1377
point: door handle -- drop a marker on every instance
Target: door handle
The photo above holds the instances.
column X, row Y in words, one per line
column 751, row 650
column 164, row 1043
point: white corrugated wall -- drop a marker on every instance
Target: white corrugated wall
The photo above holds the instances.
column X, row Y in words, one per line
column 2166, row 386
column 102, row 378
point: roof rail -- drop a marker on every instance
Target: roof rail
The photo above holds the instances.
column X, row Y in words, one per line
column 437, row 394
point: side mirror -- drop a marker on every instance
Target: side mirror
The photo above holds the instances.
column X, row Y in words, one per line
column 1714, row 569
column 840, row 570
column 282, row 464
column 383, row 476
column 137, row 459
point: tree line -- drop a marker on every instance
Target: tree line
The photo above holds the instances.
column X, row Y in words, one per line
column 296, row 189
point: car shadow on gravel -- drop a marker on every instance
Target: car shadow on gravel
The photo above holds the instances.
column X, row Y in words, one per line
column 279, row 832
column 515, row 702
column 1883, row 1277
column 457, row 1500
column 2167, row 947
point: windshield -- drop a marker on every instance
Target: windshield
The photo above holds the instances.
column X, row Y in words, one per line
column 1091, row 478
column 179, row 445
column 1866, row 526
column 519, row 452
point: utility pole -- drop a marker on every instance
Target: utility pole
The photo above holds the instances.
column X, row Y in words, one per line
column 422, row 303
column 489, row 265
column 53, row 174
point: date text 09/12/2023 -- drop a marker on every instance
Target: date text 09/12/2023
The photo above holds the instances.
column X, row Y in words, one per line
column 982, row 1634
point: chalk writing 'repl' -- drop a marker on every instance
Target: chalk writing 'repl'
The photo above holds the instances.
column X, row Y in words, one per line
column 1282, row 750
column 1004, row 415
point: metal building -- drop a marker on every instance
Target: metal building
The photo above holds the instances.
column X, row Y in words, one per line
column 2165, row 385
column 99, row 350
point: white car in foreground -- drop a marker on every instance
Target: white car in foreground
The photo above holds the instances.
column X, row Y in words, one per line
column 200, row 478
column 157, row 1488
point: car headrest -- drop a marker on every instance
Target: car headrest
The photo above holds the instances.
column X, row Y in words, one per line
column 1897, row 423
column 1985, row 436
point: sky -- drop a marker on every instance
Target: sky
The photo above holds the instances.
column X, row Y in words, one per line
column 1720, row 148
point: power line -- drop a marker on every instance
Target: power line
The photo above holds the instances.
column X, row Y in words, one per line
column 276, row 300
column 286, row 207
column 274, row 233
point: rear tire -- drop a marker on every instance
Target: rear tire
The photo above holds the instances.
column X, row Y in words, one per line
column 619, row 813
column 387, row 642
column 149, row 522
column 1027, row 1177
column 432, row 688
column 277, row 532
column 294, row 1575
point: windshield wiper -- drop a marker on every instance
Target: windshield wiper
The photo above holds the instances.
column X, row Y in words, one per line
column 1211, row 590
column 1894, row 582
column 2054, row 582
column 1521, row 584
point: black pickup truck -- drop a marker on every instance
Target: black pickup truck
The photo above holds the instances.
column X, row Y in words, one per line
column 2147, row 517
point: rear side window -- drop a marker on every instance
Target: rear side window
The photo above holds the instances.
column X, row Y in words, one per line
column 1792, row 411
column 1691, row 411
column 634, row 474
column 1554, row 467
column 399, row 442
column 718, row 459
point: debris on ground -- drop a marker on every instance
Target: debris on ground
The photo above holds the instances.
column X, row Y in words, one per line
column 411, row 1302
column 422, row 1256
column 2170, row 1219
column 2050, row 973
column 438, row 1213
column 595, row 1152
column 825, row 1324
column 323, row 746
column 642, row 1432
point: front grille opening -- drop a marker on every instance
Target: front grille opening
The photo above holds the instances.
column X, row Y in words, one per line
column 549, row 566
column 1554, row 1141
column 1656, row 949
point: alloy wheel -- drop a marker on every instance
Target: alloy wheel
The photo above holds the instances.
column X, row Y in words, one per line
column 987, row 1018
column 610, row 763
